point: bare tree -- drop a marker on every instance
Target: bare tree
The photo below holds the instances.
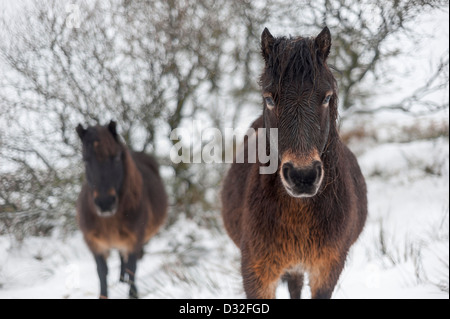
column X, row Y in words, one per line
column 154, row 66
column 366, row 36
column 148, row 65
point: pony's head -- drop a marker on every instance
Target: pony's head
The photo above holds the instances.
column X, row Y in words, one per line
column 299, row 96
column 103, row 156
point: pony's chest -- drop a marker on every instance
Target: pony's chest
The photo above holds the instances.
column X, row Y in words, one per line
column 301, row 236
column 115, row 235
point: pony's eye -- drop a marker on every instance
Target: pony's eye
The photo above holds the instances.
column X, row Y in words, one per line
column 269, row 102
column 326, row 100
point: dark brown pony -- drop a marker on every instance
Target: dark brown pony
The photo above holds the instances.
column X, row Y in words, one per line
column 303, row 218
column 122, row 204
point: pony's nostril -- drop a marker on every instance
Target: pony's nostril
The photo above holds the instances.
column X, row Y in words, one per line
column 286, row 169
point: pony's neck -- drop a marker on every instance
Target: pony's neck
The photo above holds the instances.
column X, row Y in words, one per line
column 331, row 156
column 132, row 186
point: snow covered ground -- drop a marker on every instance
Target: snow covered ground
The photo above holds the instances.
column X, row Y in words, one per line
column 402, row 253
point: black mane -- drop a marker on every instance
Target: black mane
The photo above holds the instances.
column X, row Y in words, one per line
column 294, row 59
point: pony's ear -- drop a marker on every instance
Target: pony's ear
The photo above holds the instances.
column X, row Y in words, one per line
column 267, row 41
column 112, row 128
column 81, row 131
column 323, row 43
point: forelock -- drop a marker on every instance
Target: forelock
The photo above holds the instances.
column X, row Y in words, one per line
column 100, row 141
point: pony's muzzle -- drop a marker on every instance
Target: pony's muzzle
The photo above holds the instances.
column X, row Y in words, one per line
column 106, row 205
column 302, row 181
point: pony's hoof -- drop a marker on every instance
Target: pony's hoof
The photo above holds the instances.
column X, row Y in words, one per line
column 133, row 293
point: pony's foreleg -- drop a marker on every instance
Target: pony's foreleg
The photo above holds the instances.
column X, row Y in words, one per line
column 295, row 283
column 324, row 278
column 122, row 269
column 130, row 269
column 259, row 278
column 102, row 270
